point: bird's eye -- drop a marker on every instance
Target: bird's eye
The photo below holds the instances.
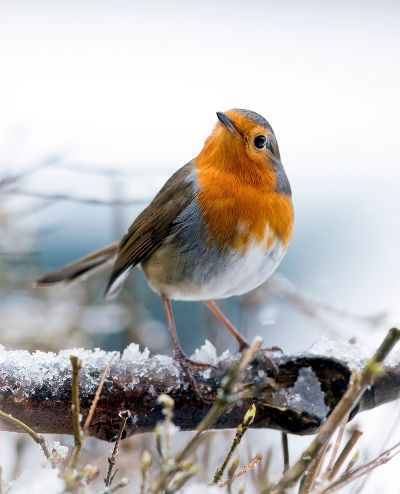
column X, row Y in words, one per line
column 260, row 141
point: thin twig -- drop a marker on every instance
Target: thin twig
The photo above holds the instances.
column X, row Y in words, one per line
column 351, row 397
column 240, row 432
column 10, row 179
column 345, row 453
column 223, row 398
column 352, row 462
column 231, row 471
column 352, row 475
column 81, row 200
column 114, row 488
column 313, row 472
column 338, row 441
column 285, row 450
column 145, row 464
column 38, row 438
column 389, row 435
column 97, row 395
column 76, row 422
column 247, row 468
column 125, row 415
column 223, row 401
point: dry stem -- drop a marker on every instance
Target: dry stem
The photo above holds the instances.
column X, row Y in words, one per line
column 97, row 395
column 76, row 422
column 344, row 454
column 113, row 458
column 247, row 468
column 285, row 450
column 359, row 383
column 223, row 401
column 38, row 438
column 240, row 432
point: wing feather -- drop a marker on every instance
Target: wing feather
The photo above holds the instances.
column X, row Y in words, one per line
column 153, row 225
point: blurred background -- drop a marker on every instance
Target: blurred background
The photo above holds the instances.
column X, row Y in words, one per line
column 100, row 102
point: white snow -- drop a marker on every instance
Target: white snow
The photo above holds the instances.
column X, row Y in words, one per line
column 132, row 353
column 207, row 354
column 51, row 371
column 38, row 481
column 58, row 453
column 354, row 354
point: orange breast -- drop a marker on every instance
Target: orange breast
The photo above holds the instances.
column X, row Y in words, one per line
column 241, row 205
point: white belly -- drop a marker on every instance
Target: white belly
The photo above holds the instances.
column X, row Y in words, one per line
column 242, row 273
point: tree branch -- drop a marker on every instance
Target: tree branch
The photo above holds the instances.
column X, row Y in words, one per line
column 36, row 389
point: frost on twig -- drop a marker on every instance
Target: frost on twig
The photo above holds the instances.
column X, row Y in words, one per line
column 36, row 389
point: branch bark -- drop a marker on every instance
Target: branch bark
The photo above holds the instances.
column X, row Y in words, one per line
column 36, row 389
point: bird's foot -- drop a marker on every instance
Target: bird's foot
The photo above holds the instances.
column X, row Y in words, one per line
column 244, row 345
column 268, row 360
column 187, row 364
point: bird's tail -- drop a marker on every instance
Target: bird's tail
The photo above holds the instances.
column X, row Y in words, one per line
column 84, row 265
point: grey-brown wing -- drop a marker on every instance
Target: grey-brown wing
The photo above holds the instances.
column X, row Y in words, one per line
column 152, row 225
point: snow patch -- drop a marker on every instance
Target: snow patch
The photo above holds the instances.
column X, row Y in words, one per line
column 58, row 453
column 353, row 354
column 38, row 372
column 132, row 354
column 38, row 480
column 207, row 354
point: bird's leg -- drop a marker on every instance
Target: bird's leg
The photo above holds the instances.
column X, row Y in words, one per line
column 179, row 354
column 243, row 343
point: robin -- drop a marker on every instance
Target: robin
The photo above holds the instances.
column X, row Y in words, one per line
column 218, row 227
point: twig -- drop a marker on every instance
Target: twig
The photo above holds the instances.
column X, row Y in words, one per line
column 224, row 397
column 338, row 441
column 313, row 472
column 240, row 431
column 80, row 433
column 76, row 422
column 145, row 464
column 311, row 306
column 97, row 395
column 249, row 466
column 231, row 471
column 285, row 450
column 38, row 438
column 223, row 401
column 352, row 462
column 114, row 488
column 12, row 179
column 389, row 434
column 80, row 200
column 359, row 383
column 344, row 454
column 352, row 475
column 125, row 415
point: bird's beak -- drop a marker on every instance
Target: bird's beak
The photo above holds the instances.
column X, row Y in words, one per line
column 227, row 122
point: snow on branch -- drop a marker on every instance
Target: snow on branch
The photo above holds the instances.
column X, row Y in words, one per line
column 35, row 388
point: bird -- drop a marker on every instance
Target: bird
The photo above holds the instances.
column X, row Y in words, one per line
column 218, row 228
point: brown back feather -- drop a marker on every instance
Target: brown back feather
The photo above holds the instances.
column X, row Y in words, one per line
column 153, row 224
